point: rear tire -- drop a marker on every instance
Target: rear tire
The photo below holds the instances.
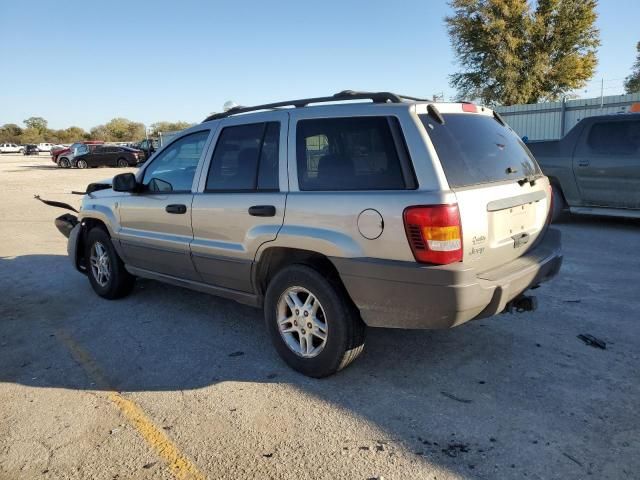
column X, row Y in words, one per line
column 343, row 329
column 122, row 163
column 105, row 268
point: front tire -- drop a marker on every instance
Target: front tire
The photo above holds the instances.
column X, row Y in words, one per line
column 106, row 271
column 64, row 163
column 312, row 323
column 82, row 164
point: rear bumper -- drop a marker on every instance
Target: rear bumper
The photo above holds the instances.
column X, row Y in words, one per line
column 409, row 295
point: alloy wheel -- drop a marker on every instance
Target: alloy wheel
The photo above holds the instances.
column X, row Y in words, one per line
column 100, row 264
column 302, row 322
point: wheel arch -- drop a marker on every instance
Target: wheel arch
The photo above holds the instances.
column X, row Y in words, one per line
column 557, row 186
column 86, row 225
column 274, row 259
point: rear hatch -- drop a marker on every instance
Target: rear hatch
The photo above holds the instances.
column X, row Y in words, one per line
column 502, row 195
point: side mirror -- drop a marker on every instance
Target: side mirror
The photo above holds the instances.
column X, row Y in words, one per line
column 125, row 182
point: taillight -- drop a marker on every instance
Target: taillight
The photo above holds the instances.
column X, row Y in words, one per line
column 434, row 233
column 469, row 107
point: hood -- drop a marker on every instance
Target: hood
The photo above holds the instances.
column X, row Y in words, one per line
column 95, row 187
column 60, row 151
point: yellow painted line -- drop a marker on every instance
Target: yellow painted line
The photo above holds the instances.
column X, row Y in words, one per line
column 181, row 467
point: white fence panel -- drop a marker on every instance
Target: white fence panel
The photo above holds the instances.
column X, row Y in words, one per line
column 552, row 120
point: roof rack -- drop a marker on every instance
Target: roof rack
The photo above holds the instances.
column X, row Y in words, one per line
column 376, row 97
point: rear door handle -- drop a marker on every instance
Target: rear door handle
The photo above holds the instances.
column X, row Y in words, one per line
column 176, row 208
column 262, row 211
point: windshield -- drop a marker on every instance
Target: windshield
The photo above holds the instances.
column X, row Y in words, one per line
column 475, row 149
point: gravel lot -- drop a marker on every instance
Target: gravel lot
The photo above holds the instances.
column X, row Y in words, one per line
column 168, row 382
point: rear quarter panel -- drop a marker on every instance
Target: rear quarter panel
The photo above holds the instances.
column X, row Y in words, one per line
column 327, row 221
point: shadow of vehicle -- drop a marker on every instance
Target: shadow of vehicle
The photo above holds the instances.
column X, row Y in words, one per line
column 507, row 389
column 24, row 168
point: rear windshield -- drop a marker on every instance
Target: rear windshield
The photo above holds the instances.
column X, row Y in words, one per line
column 475, row 148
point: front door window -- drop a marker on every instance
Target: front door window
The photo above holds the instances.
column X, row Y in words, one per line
column 173, row 169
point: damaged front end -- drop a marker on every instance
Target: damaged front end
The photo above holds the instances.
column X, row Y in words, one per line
column 74, row 228
column 65, row 223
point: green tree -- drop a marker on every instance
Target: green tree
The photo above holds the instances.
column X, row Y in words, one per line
column 100, row 132
column 36, row 123
column 632, row 82
column 511, row 52
column 68, row 135
column 10, row 133
column 168, row 127
column 118, row 130
column 31, row 135
column 73, row 134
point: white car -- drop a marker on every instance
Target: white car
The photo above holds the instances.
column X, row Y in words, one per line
column 11, row 148
column 45, row 147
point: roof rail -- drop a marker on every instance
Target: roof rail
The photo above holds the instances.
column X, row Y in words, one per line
column 376, row 97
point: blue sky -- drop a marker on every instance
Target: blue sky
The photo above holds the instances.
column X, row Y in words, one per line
column 83, row 63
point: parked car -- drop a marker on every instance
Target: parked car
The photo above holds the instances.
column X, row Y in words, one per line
column 64, row 158
column 109, row 156
column 45, row 147
column 11, row 148
column 595, row 168
column 31, row 149
column 57, row 149
column 417, row 215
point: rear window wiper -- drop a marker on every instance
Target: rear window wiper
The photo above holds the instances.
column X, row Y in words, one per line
column 499, row 119
column 531, row 179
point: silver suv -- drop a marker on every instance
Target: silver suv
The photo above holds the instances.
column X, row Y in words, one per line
column 393, row 212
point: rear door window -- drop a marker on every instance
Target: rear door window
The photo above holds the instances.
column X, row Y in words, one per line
column 619, row 138
column 245, row 158
column 475, row 148
column 358, row 153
